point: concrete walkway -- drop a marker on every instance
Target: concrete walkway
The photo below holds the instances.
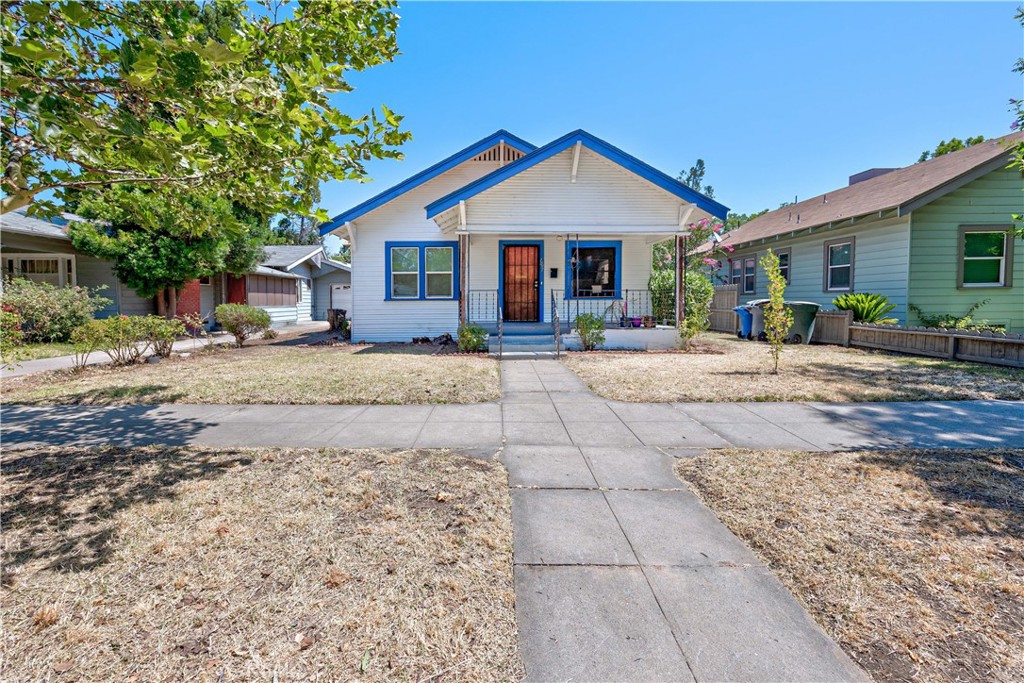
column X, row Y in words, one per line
column 621, row 573
column 31, row 367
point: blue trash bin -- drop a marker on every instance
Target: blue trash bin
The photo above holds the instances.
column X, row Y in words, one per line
column 746, row 320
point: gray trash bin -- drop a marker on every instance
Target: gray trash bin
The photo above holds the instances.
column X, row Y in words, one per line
column 756, row 308
column 804, row 314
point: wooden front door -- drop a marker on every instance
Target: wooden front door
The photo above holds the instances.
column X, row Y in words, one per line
column 521, row 300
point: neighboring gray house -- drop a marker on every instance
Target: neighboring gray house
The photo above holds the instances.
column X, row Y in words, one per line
column 41, row 250
column 320, row 284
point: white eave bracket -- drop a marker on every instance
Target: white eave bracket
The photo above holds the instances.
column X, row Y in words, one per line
column 462, row 214
column 351, row 231
column 685, row 211
column 575, row 161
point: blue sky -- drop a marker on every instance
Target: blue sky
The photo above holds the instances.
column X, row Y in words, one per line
column 780, row 100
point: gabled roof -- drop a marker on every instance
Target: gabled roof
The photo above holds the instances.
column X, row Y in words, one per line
column 274, row 272
column 55, row 228
column 289, row 255
column 903, row 189
column 593, row 143
column 426, row 175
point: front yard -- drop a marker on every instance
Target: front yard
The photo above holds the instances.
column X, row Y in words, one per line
column 910, row 560
column 152, row 564
column 728, row 369
column 381, row 374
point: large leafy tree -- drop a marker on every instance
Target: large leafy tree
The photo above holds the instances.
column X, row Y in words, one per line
column 694, row 178
column 183, row 95
column 154, row 252
column 952, row 145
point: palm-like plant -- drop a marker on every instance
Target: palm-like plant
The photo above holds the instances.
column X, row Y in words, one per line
column 866, row 307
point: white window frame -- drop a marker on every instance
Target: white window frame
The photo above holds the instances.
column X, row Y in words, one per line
column 427, row 273
column 829, row 267
column 736, row 272
column 62, row 265
column 1007, row 246
column 752, row 276
column 391, row 284
column 785, row 270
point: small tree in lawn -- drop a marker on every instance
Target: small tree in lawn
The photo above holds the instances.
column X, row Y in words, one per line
column 777, row 318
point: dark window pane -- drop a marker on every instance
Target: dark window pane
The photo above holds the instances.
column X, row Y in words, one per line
column 405, row 286
column 839, row 255
column 593, row 271
column 439, row 285
column 405, row 259
column 438, row 259
column 839, row 278
column 981, row 271
column 984, row 243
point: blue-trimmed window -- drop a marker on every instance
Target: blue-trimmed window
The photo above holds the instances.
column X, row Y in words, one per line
column 593, row 270
column 419, row 271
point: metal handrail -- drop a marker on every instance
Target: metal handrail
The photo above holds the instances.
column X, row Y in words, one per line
column 501, row 331
column 557, row 325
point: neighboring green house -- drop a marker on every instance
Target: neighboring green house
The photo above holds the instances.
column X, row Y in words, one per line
column 937, row 235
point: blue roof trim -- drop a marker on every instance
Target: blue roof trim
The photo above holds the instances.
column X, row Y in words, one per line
column 627, row 161
column 425, row 175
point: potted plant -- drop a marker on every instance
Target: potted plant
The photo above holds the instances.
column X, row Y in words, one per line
column 617, row 311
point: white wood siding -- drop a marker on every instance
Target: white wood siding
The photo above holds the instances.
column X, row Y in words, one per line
column 303, row 307
column 483, row 262
column 403, row 219
column 322, row 289
column 604, row 194
column 280, row 315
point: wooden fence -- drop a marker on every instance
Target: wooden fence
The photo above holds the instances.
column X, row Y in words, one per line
column 723, row 318
column 996, row 348
column 832, row 327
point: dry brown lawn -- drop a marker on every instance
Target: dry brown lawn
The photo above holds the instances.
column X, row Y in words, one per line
column 727, row 369
column 913, row 561
column 152, row 564
column 274, row 374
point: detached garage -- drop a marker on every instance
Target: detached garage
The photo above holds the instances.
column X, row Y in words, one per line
column 294, row 284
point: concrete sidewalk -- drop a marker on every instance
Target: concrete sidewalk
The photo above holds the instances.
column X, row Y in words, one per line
column 621, row 573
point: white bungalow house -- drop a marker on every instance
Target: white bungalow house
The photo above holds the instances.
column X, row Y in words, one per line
column 503, row 230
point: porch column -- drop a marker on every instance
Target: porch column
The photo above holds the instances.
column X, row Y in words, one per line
column 463, row 279
column 680, row 273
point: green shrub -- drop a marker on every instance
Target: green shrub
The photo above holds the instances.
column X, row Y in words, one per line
column 11, row 337
column 48, row 313
column 866, row 307
column 590, row 327
column 472, row 338
column 952, row 321
column 244, row 322
column 91, row 336
column 697, row 319
column 162, row 333
column 662, row 285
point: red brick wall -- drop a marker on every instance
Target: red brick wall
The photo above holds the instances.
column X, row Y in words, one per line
column 188, row 299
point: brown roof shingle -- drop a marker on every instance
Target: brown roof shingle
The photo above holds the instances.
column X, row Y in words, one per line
column 889, row 191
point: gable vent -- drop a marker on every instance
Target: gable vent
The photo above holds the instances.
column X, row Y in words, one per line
column 495, row 154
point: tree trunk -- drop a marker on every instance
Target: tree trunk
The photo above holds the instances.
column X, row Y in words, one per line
column 161, row 304
column 172, row 302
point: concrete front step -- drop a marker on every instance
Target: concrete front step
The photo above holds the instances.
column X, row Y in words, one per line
column 523, row 355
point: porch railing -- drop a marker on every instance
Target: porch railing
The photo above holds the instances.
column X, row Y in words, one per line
column 484, row 306
column 556, row 326
column 631, row 304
